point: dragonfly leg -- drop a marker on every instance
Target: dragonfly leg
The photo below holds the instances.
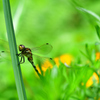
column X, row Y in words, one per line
column 22, row 60
column 19, row 54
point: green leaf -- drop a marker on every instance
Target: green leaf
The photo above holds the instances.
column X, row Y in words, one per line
column 89, row 12
column 98, row 30
column 84, row 54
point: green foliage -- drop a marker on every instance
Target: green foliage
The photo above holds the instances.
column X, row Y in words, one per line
column 69, row 26
column 98, row 31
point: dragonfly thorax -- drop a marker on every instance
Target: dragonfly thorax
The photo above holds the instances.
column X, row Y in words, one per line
column 21, row 47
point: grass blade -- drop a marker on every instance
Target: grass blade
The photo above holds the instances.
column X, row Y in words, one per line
column 13, row 51
column 89, row 12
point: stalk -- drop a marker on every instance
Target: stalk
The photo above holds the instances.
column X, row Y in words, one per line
column 13, row 51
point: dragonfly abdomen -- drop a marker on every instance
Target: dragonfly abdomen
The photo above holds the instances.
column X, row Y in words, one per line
column 30, row 59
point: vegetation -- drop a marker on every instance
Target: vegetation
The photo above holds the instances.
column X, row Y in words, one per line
column 73, row 29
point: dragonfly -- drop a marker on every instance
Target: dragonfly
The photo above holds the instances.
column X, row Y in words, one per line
column 36, row 52
column 27, row 52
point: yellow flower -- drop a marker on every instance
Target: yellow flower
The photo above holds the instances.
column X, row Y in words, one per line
column 90, row 81
column 63, row 58
column 94, row 76
column 44, row 66
column 97, row 55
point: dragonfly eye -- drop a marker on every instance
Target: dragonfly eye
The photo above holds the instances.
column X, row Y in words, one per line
column 21, row 47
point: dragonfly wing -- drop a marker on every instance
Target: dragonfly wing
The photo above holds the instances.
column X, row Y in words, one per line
column 4, row 45
column 43, row 49
column 44, row 62
column 5, row 55
column 4, row 50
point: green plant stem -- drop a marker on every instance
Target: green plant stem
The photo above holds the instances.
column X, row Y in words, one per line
column 13, row 51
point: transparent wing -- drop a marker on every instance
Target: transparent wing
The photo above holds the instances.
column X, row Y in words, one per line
column 43, row 61
column 4, row 50
column 42, row 50
column 5, row 55
column 4, row 45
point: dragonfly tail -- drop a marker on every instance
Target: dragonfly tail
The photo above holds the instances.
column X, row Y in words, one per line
column 35, row 69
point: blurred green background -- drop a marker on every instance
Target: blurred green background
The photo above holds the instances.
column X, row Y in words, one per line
column 36, row 22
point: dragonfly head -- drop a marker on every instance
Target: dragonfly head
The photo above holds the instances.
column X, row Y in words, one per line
column 21, row 47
